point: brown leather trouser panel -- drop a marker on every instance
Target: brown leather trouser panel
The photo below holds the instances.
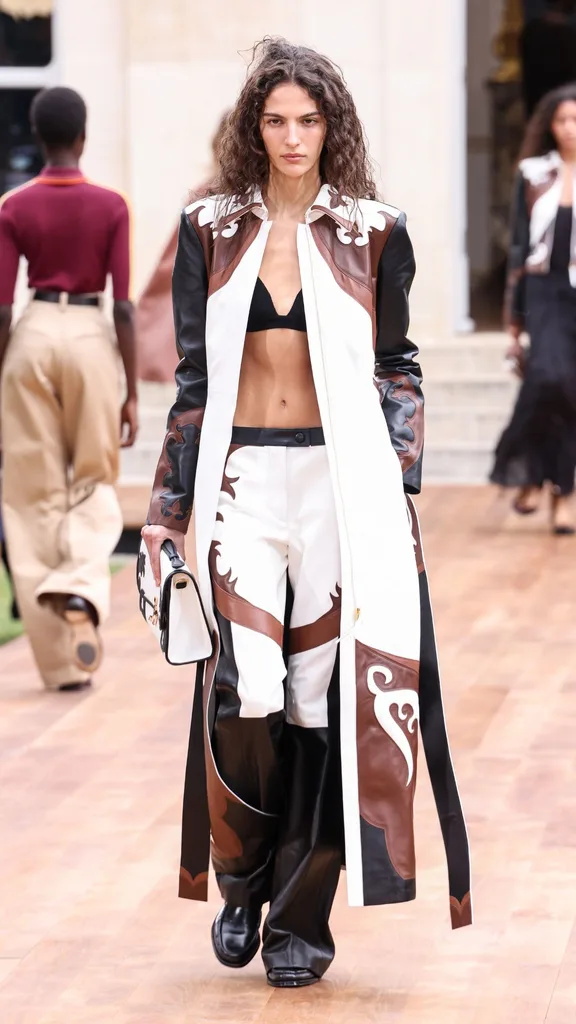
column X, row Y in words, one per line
column 59, row 409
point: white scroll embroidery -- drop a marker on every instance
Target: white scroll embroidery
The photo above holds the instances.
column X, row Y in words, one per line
column 369, row 215
column 384, row 701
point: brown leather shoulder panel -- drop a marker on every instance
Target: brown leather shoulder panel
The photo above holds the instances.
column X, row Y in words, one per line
column 349, row 263
column 204, row 233
column 229, row 248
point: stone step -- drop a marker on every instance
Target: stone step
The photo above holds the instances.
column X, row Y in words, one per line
column 462, row 357
column 443, row 423
column 487, row 399
column 483, row 353
column 465, row 463
column 480, row 354
column 494, row 391
column 465, row 460
column 464, row 423
column 138, row 464
column 469, row 396
column 151, row 393
column 470, row 365
column 152, row 424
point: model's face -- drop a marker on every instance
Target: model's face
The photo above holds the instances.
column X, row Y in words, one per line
column 564, row 126
column 293, row 130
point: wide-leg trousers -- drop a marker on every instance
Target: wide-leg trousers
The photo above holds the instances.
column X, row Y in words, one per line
column 59, row 407
column 275, row 559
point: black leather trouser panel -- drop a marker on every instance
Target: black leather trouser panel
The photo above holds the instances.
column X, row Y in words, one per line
column 292, row 773
column 247, row 752
column 308, row 857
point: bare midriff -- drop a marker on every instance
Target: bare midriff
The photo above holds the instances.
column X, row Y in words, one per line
column 276, row 386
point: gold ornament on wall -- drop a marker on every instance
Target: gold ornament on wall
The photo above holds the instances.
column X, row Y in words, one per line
column 27, row 8
column 506, row 44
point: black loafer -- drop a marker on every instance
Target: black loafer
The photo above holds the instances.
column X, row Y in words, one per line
column 236, row 935
column 291, row 977
column 83, row 684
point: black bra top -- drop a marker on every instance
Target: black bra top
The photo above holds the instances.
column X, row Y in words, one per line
column 263, row 316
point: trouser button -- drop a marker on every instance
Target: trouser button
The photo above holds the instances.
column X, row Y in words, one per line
column 299, row 437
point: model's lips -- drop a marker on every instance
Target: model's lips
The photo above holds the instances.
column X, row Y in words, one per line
column 292, row 157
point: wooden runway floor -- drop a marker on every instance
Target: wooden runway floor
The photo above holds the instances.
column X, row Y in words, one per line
column 91, row 931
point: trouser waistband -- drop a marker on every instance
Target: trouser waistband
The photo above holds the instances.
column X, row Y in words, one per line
column 64, row 298
column 299, row 437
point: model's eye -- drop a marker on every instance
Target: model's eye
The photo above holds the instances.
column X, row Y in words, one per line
column 274, row 121
column 310, row 120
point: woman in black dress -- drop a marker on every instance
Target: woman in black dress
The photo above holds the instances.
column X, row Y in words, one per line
column 538, row 446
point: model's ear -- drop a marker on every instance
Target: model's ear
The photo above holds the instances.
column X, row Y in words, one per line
column 79, row 144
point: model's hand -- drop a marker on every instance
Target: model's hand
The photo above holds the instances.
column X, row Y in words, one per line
column 154, row 537
column 128, row 423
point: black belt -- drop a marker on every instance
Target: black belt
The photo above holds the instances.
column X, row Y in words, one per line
column 40, row 295
column 299, row 437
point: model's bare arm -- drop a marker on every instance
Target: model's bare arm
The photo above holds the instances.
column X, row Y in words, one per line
column 5, row 323
column 126, row 335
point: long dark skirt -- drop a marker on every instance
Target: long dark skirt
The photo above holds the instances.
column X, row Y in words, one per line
column 539, row 443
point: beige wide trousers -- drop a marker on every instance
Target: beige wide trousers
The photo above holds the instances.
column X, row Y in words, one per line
column 60, row 430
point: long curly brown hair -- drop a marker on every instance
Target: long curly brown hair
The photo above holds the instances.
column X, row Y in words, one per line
column 344, row 162
column 538, row 138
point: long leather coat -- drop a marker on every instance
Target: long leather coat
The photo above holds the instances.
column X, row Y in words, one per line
column 356, row 266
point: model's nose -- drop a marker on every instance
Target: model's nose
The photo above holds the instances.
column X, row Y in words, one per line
column 293, row 137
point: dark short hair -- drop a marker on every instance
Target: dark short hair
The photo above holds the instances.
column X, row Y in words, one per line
column 58, row 116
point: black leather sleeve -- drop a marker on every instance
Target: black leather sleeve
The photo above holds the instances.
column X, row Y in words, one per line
column 514, row 299
column 398, row 377
column 173, row 491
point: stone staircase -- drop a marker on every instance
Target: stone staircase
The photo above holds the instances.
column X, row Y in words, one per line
column 469, row 395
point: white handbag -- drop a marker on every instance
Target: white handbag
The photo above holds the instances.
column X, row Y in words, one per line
column 173, row 610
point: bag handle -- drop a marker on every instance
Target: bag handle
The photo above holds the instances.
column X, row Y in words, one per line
column 170, row 548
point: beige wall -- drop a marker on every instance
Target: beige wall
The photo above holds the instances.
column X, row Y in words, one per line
column 90, row 53
column 421, row 103
column 158, row 73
